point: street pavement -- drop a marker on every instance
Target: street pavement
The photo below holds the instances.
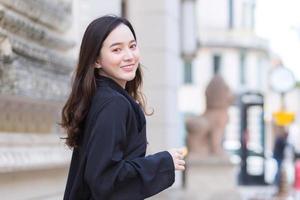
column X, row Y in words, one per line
column 244, row 193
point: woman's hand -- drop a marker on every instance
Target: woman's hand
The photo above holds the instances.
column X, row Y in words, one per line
column 178, row 156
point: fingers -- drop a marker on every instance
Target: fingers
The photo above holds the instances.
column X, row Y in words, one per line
column 182, row 151
column 178, row 156
column 180, row 162
column 180, row 165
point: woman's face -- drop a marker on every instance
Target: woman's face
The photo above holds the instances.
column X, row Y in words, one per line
column 119, row 56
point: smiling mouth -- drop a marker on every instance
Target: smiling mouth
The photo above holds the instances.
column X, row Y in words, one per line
column 128, row 66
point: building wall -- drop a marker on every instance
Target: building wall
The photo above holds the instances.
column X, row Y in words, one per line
column 217, row 37
column 255, row 75
column 215, row 11
column 35, row 65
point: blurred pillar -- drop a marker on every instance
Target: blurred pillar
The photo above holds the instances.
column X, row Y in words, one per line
column 157, row 24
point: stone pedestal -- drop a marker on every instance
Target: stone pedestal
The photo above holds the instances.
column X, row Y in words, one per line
column 33, row 184
column 211, row 178
column 32, row 166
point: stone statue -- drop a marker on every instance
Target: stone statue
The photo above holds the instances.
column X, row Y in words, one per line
column 205, row 132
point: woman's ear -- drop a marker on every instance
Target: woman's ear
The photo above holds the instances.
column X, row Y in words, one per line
column 97, row 64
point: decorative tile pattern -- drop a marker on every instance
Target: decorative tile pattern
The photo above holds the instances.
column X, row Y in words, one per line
column 20, row 152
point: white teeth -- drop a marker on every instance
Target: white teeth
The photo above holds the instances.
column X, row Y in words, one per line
column 128, row 66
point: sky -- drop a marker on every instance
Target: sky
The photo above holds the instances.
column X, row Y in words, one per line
column 279, row 22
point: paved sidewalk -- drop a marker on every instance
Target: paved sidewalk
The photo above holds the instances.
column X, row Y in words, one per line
column 257, row 192
column 244, row 193
column 215, row 179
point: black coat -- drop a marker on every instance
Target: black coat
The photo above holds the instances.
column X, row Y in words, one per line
column 110, row 163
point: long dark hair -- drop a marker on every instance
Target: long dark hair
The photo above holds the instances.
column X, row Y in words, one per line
column 77, row 106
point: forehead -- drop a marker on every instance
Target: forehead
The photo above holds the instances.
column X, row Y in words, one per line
column 121, row 34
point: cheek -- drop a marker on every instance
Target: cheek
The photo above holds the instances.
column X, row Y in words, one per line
column 110, row 59
column 137, row 55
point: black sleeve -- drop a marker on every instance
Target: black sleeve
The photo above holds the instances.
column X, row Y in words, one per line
column 106, row 166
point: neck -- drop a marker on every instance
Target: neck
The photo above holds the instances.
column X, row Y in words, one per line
column 119, row 82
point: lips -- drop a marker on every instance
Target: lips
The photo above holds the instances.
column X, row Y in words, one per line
column 128, row 67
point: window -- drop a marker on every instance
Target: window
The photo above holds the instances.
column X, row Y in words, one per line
column 242, row 68
column 217, row 63
column 188, row 73
column 230, row 14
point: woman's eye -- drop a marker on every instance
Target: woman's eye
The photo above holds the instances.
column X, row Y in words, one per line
column 117, row 50
column 133, row 46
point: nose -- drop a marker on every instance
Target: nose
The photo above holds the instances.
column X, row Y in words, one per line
column 128, row 54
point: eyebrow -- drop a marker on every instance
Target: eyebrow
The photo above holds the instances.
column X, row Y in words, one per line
column 119, row 43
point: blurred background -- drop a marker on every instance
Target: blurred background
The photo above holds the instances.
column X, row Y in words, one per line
column 221, row 75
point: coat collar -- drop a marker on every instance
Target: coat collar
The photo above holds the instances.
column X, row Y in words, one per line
column 105, row 81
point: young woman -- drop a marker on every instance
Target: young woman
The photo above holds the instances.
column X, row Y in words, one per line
column 105, row 123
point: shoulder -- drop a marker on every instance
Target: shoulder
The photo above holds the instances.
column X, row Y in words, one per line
column 107, row 98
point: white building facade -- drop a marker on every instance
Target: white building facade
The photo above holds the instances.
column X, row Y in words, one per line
column 228, row 46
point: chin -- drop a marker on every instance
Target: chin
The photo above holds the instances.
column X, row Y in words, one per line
column 129, row 77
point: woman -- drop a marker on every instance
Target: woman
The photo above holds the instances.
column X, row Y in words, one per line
column 105, row 123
